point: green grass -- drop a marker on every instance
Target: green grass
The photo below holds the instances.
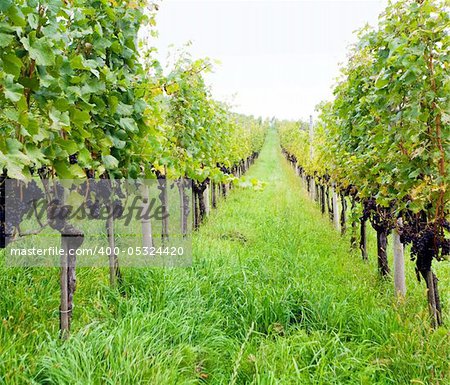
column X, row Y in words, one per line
column 274, row 296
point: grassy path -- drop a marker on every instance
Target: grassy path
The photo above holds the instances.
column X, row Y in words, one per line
column 274, row 297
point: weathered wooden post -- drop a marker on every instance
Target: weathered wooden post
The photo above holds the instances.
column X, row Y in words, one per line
column 399, row 262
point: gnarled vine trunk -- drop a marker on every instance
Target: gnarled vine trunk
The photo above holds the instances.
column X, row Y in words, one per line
column 383, row 266
column 213, row 195
column 423, row 265
column 343, row 214
column 198, row 189
column 434, row 301
column 201, row 201
column 363, row 239
column 207, row 199
column 322, row 198
column 224, row 190
column 164, row 199
column 353, row 240
column 329, row 205
column 71, row 240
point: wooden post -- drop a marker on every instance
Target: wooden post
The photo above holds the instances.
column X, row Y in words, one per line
column 206, row 195
column 213, row 195
column 335, row 208
column 184, row 205
column 147, row 236
column 399, row 263
column 164, row 199
column 181, row 197
column 114, row 272
column 64, row 317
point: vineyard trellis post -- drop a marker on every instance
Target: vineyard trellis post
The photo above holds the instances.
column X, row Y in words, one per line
column 399, row 262
column 114, row 271
column 335, row 205
column 146, row 225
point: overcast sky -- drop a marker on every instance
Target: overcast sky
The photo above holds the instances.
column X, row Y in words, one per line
column 278, row 58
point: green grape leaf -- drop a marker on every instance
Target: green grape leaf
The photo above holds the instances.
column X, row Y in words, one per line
column 5, row 39
column 110, row 162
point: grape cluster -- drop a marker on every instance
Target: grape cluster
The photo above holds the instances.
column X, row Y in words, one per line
column 427, row 239
column 73, row 159
column 445, row 247
column 118, row 209
column 223, row 168
column 99, row 197
column 19, row 200
column 351, row 190
column 94, row 208
column 380, row 217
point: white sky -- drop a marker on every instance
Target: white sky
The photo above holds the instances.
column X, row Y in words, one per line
column 278, row 58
